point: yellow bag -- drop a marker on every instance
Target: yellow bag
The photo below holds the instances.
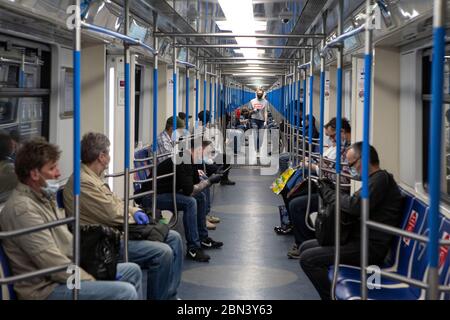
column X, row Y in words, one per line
column 279, row 184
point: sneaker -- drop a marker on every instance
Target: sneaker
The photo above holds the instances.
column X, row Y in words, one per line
column 197, row 254
column 213, row 219
column 227, row 182
column 294, row 253
column 211, row 244
column 210, row 226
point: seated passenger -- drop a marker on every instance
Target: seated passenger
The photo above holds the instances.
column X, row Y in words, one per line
column 207, row 136
column 385, row 207
column 98, row 205
column 189, row 198
column 297, row 207
column 8, row 178
column 165, row 139
column 33, row 203
column 182, row 116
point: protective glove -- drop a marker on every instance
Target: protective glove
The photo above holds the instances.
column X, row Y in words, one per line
column 215, row 178
column 141, row 218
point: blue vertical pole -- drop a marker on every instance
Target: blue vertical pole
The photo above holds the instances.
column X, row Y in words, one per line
column 311, row 105
column 187, row 99
column 210, row 97
column 197, row 89
column 174, row 98
column 304, row 104
column 337, row 212
column 365, row 161
column 22, row 72
column 435, row 144
column 175, row 89
column 322, row 108
column 215, row 101
column 127, row 126
column 338, row 119
column 76, row 140
column 127, row 115
column 204, row 100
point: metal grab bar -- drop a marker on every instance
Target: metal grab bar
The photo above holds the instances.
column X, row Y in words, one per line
column 304, row 66
column 37, row 62
column 33, row 274
column 400, row 232
column 120, row 36
column 187, row 64
column 122, row 173
column 141, row 195
column 157, row 178
column 151, row 158
column 53, row 224
column 338, row 41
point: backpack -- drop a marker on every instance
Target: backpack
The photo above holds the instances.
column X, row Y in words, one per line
column 152, row 232
column 325, row 227
column 99, row 251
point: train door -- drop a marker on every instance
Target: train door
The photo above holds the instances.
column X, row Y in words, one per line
column 426, row 105
column 347, row 103
column 115, row 115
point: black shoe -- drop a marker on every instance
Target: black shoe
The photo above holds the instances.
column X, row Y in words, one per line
column 197, row 254
column 211, row 244
column 283, row 230
column 227, row 182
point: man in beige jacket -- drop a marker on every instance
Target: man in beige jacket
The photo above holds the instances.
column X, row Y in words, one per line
column 98, row 205
column 33, row 203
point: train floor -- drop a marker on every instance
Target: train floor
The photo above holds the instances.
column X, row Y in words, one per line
column 252, row 264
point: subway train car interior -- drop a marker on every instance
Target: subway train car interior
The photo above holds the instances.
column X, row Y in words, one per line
column 225, row 150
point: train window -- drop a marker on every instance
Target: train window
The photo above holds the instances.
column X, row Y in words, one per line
column 24, row 95
column 426, row 98
column 66, row 93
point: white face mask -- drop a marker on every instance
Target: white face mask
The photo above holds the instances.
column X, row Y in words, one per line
column 52, row 186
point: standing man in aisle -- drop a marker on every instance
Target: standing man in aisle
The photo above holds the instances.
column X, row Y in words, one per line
column 258, row 115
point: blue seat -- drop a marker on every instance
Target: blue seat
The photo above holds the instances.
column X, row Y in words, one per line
column 6, row 291
column 416, row 268
column 414, row 213
column 142, row 153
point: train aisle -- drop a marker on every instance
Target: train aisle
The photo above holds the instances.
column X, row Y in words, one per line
column 252, row 263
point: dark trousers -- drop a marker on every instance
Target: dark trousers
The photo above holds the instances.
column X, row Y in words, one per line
column 297, row 212
column 315, row 261
column 226, row 165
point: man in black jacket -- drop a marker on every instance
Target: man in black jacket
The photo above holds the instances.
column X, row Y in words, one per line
column 190, row 197
column 385, row 207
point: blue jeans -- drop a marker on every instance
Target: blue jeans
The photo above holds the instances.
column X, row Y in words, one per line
column 257, row 124
column 207, row 193
column 194, row 214
column 163, row 262
column 129, row 287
